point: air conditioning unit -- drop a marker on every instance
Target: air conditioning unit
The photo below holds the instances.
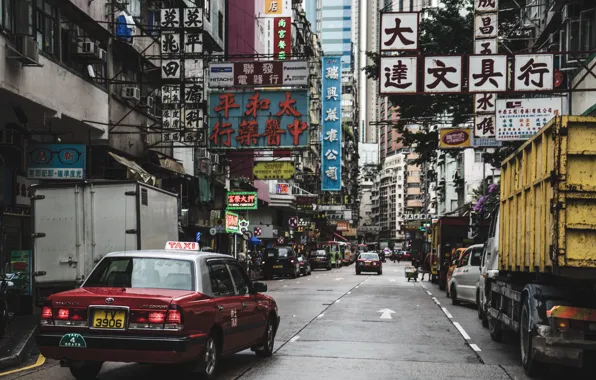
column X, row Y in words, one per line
column 214, row 158
column 202, row 153
column 87, row 48
column 148, row 102
column 103, row 55
column 131, row 93
column 28, row 48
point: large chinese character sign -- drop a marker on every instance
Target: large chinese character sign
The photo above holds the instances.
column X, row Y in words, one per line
column 259, row 119
column 332, row 132
column 399, row 31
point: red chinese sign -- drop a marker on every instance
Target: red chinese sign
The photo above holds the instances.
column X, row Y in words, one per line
column 282, row 38
column 250, row 120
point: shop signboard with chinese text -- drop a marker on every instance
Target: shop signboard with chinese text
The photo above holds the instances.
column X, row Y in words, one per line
column 56, row 161
column 243, row 200
column 399, row 31
column 454, row 138
column 258, row 74
column 305, row 202
column 258, row 119
column 282, row 38
column 232, row 222
column 485, row 142
column 265, row 170
column 331, row 138
column 520, row 119
column 283, row 188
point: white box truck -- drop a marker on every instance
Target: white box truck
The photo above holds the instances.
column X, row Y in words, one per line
column 76, row 224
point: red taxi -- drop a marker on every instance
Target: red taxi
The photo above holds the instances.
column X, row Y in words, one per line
column 369, row 262
column 179, row 307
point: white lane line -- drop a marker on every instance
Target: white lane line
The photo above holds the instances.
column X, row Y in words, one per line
column 317, row 276
column 461, row 331
column 284, row 286
column 429, row 293
column 320, row 315
column 475, row 347
column 297, row 282
column 436, row 300
column 281, row 280
column 357, row 286
column 447, row 313
column 349, row 292
column 295, row 338
column 392, row 280
column 337, row 301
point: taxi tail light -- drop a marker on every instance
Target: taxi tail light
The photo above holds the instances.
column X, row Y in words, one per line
column 46, row 313
column 63, row 316
column 174, row 318
column 156, row 317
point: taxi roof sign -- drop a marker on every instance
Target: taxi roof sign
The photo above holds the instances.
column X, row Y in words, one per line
column 182, row 245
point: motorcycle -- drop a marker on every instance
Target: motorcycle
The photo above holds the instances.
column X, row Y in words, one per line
column 5, row 283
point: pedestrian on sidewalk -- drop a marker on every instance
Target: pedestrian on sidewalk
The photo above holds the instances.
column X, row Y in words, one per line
column 426, row 267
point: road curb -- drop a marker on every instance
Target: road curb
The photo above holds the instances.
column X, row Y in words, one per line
column 20, row 351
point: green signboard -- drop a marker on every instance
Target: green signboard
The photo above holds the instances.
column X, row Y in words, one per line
column 243, row 200
column 20, row 262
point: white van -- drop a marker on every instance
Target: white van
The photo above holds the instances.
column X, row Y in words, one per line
column 462, row 286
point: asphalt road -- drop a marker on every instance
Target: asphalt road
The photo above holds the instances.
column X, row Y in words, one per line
column 343, row 326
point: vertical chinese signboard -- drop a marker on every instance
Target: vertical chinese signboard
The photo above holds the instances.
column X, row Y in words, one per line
column 487, row 70
column 282, row 38
column 182, row 75
column 332, row 129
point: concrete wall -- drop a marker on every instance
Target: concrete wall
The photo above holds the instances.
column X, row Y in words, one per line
column 55, row 88
column 95, row 9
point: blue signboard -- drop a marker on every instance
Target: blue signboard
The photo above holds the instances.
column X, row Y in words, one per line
column 258, row 119
column 332, row 133
column 56, row 161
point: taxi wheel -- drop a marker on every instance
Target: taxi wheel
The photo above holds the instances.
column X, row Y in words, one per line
column 210, row 360
column 454, row 299
column 268, row 340
column 86, row 371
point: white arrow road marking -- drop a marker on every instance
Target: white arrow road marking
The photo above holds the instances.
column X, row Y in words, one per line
column 386, row 313
column 475, row 347
column 447, row 313
column 461, row 331
column 295, row 338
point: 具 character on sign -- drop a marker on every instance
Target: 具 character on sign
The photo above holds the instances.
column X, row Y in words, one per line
column 487, row 73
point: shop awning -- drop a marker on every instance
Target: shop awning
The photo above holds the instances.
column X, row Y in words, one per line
column 255, row 240
column 341, row 237
column 134, row 169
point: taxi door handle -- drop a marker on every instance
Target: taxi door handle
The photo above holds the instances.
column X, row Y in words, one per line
column 243, row 305
column 221, row 308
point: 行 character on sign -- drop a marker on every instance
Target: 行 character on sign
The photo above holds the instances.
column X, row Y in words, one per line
column 534, row 72
column 222, row 129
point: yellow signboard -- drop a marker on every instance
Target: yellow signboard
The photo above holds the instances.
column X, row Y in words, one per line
column 273, row 7
column 274, row 170
column 455, row 138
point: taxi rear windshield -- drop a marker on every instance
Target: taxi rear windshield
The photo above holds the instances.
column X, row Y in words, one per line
column 369, row 256
column 139, row 272
column 321, row 253
column 279, row 252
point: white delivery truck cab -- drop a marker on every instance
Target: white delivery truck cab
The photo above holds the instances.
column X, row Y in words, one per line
column 76, row 224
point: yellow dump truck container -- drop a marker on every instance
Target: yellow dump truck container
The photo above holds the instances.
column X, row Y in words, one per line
column 548, row 201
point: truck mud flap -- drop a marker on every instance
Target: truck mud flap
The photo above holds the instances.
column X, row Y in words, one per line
column 510, row 323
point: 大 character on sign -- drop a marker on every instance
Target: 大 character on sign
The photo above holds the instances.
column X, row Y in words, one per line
column 398, row 32
column 286, row 107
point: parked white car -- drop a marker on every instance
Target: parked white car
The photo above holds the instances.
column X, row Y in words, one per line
column 489, row 268
column 462, row 286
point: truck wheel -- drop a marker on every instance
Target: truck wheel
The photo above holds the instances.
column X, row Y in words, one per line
column 525, row 341
column 478, row 305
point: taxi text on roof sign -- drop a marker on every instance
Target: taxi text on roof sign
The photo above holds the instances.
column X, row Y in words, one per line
column 182, row 245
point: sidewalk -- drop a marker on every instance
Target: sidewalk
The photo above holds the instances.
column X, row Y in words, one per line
column 17, row 340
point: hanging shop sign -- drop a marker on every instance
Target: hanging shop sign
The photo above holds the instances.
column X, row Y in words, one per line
column 276, row 8
column 245, row 200
column 485, row 142
column 305, row 203
column 182, row 92
column 520, row 119
column 22, row 191
column 258, row 74
column 283, row 188
column 331, row 142
column 56, row 161
column 232, row 221
column 410, row 217
column 282, row 38
column 252, row 120
column 454, row 138
column 20, row 262
column 273, row 170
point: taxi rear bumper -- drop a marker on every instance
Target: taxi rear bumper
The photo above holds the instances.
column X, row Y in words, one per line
column 127, row 349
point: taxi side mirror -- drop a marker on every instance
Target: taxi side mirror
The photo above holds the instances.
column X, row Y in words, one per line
column 259, row 287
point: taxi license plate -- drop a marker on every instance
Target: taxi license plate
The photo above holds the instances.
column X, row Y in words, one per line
column 109, row 319
column 368, row 263
column 278, row 266
column 318, row 259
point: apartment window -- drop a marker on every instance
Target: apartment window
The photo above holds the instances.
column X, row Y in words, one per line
column 46, row 26
column 220, row 24
column 413, row 185
column 478, row 157
column 587, row 24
